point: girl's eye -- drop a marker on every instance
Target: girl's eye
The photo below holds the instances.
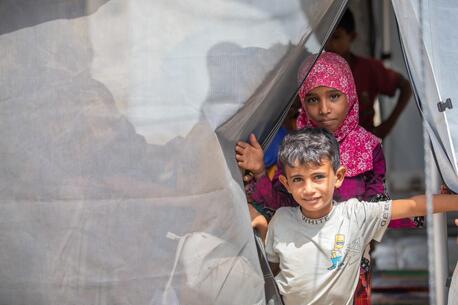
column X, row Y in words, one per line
column 296, row 180
column 319, row 177
column 334, row 96
column 312, row 100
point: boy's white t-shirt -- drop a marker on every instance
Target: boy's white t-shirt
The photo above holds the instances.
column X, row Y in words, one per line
column 320, row 258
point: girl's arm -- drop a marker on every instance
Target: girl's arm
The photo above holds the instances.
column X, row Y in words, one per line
column 416, row 206
column 270, row 194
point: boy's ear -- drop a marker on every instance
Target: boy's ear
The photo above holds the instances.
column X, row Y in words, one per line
column 284, row 181
column 340, row 176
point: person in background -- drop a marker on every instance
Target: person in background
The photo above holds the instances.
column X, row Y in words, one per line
column 372, row 78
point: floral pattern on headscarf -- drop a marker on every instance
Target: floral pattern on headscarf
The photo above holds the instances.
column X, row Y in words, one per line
column 356, row 144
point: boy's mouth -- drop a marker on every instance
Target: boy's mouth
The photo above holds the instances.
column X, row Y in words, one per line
column 311, row 200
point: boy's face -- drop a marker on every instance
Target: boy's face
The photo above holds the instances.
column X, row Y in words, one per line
column 340, row 42
column 313, row 186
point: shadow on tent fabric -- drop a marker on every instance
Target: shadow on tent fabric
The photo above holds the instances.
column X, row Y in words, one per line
column 16, row 15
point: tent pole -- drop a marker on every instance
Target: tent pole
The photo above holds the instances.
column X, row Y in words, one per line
column 436, row 224
column 437, row 239
column 441, row 257
column 440, row 253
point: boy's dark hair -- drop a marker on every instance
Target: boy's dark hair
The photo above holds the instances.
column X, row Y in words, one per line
column 309, row 146
column 347, row 22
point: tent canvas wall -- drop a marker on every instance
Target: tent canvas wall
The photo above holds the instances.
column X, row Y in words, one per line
column 431, row 60
column 118, row 121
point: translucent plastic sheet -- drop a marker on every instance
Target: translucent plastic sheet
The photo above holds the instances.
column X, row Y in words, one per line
column 432, row 57
column 428, row 40
column 117, row 127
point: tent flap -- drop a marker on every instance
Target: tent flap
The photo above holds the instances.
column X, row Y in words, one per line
column 108, row 116
column 432, row 70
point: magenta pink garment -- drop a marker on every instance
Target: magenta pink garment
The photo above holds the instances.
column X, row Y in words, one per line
column 356, row 144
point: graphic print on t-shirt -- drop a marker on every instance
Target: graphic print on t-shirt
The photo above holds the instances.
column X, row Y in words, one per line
column 337, row 252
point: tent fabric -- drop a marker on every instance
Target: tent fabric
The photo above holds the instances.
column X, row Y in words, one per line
column 431, row 58
column 118, row 122
column 273, row 296
column 432, row 67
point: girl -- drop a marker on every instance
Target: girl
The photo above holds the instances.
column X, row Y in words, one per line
column 329, row 100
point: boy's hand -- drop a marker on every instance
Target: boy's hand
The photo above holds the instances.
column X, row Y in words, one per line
column 250, row 156
column 258, row 221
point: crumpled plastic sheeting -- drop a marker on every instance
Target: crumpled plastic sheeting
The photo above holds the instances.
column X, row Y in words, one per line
column 108, row 111
column 432, row 69
column 115, row 251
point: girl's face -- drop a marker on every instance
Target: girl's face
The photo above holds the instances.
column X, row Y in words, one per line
column 326, row 107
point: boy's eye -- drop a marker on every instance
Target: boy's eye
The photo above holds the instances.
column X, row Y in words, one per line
column 297, row 179
column 319, row 177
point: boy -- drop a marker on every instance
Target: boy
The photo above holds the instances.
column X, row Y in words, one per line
column 371, row 78
column 315, row 249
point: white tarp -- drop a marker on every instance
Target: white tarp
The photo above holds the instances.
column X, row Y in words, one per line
column 431, row 49
column 117, row 180
column 429, row 44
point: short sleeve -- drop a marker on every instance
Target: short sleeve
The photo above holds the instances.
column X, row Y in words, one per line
column 373, row 218
column 387, row 80
column 269, row 246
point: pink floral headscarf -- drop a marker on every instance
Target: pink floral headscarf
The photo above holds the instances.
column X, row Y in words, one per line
column 356, row 144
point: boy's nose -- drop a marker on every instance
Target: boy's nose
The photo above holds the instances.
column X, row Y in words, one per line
column 307, row 189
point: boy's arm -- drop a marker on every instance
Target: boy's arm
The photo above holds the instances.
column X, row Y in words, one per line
column 416, row 206
column 258, row 222
column 404, row 95
column 271, row 254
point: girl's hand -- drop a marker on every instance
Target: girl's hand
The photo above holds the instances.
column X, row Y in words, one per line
column 250, row 156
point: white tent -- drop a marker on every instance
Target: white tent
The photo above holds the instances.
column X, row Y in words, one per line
column 429, row 44
column 118, row 121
